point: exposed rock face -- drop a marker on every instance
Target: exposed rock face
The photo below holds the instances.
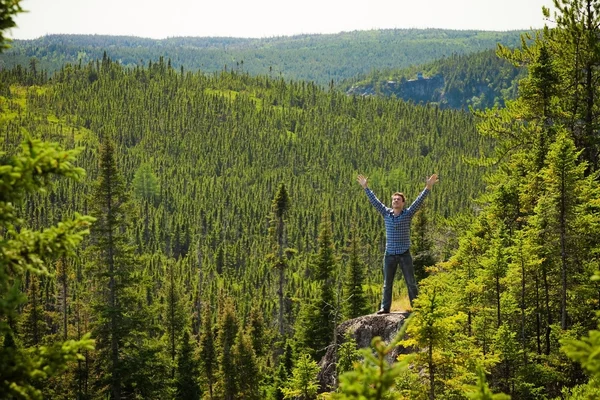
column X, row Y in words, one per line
column 363, row 330
column 421, row 90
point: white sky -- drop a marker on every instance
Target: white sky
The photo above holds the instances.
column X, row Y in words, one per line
column 267, row 18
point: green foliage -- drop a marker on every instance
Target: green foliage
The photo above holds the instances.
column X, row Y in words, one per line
column 347, row 355
column 186, row 376
column 228, row 382
column 319, row 58
column 448, row 354
column 8, row 10
column 315, row 327
column 219, row 145
column 246, row 370
column 23, row 250
column 479, row 80
column 586, row 352
column 208, row 351
column 145, row 184
column 373, row 377
column 482, row 390
column 356, row 301
column 303, row 383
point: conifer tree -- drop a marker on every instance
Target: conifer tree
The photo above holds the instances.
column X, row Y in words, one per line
column 315, row 330
column 208, row 353
column 175, row 310
column 421, row 243
column 33, row 326
column 279, row 209
column 303, row 385
column 120, row 315
column 227, row 384
column 356, row 303
column 257, row 331
column 28, row 250
column 8, row 10
column 246, row 371
column 563, row 177
column 186, row 377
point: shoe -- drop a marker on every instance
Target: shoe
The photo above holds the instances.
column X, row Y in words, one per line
column 382, row 311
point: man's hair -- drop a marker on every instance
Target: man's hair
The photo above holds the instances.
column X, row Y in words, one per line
column 401, row 195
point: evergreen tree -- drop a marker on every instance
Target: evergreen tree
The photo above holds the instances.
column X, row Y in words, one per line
column 24, row 250
column 279, row 209
column 421, row 243
column 246, row 371
column 563, row 177
column 315, row 330
column 120, row 318
column 356, row 303
column 186, row 377
column 303, row 385
column 227, row 384
column 175, row 309
column 208, row 353
column 8, row 10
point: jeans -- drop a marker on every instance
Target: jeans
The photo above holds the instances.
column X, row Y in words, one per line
column 390, row 265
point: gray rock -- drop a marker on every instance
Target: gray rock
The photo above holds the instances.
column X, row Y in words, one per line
column 362, row 330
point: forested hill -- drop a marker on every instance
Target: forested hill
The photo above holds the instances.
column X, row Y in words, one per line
column 318, row 58
column 220, row 144
column 479, row 80
column 202, row 156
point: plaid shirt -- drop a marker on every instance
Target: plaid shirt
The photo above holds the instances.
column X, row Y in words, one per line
column 397, row 228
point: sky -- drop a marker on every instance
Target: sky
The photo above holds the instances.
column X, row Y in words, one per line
column 268, row 18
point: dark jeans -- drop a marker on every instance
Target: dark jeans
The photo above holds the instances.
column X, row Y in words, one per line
column 390, row 265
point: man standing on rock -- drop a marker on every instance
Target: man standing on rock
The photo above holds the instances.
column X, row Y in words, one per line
column 397, row 231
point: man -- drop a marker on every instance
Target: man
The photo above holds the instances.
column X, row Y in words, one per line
column 397, row 231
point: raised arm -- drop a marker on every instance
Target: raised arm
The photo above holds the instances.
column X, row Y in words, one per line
column 432, row 180
column 379, row 206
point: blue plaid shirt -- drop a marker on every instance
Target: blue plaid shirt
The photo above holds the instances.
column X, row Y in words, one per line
column 397, row 228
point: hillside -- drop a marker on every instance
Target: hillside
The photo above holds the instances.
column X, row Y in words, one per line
column 242, row 135
column 216, row 147
column 479, row 80
column 318, row 58
column 177, row 233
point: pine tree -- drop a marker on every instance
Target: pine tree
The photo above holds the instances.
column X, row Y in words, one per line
column 303, row 385
column 227, row 385
column 120, row 314
column 421, row 244
column 208, row 352
column 356, row 303
column 563, row 177
column 175, row 309
column 8, row 10
column 246, row 371
column 186, row 377
column 315, row 325
column 28, row 250
column 279, row 209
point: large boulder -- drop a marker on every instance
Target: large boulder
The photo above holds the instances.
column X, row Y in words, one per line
column 362, row 330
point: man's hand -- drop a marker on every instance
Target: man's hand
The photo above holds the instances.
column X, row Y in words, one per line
column 433, row 179
column 362, row 180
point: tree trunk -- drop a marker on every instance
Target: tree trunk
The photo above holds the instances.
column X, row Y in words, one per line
column 563, row 257
column 548, row 311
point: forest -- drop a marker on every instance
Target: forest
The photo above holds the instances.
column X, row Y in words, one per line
column 169, row 232
column 476, row 80
column 317, row 58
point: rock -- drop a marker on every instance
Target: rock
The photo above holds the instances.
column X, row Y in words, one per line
column 363, row 330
